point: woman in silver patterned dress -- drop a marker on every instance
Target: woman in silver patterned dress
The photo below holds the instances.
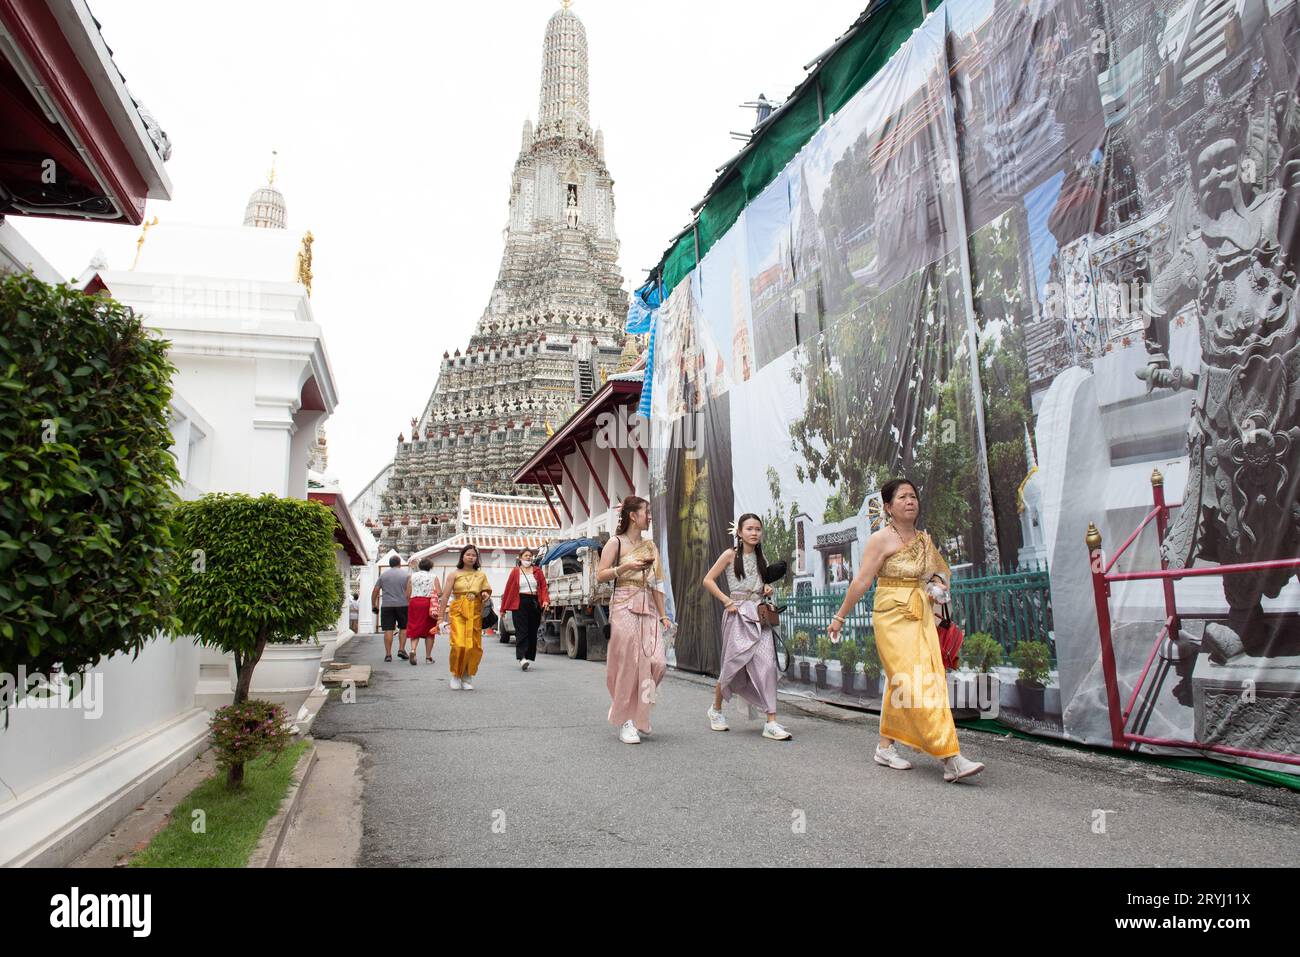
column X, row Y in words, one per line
column 748, row 649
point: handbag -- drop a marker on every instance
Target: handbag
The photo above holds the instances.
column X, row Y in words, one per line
column 769, row 615
column 950, row 637
column 489, row 618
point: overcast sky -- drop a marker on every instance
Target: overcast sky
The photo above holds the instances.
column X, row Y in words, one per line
column 397, row 126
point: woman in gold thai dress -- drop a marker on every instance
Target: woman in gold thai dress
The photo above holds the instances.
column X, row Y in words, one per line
column 637, row 658
column 912, row 574
column 463, row 592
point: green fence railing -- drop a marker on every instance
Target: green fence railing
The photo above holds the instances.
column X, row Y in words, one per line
column 1011, row 606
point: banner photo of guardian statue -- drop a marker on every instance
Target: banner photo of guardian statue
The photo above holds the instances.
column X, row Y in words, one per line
column 1044, row 266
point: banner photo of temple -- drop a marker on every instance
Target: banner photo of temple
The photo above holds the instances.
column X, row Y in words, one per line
column 1043, row 264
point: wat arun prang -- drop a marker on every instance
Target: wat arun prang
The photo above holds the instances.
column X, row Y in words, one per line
column 553, row 327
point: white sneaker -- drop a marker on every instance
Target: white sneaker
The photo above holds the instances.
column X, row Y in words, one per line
column 455, row 683
column 523, row 665
column 464, row 683
column 958, row 767
column 890, row 758
column 774, row 731
column 628, row 734
column 717, row 721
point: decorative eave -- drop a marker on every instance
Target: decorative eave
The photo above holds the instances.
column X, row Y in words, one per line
column 617, row 391
column 347, row 532
column 94, row 125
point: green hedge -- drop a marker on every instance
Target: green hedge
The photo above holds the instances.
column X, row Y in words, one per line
column 86, row 478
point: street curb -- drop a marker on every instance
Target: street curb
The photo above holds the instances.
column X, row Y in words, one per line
column 267, row 851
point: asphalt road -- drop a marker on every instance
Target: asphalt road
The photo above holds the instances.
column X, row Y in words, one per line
column 524, row 770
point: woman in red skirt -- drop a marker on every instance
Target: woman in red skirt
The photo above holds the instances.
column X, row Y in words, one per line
column 422, row 596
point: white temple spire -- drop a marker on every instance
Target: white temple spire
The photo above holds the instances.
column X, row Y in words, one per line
column 564, row 98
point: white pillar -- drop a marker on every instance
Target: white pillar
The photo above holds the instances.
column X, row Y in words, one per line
column 366, row 624
column 345, row 571
column 276, row 401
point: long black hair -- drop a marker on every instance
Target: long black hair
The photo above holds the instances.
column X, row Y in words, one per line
column 460, row 562
column 740, row 549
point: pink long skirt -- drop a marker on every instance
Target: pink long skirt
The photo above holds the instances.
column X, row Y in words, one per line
column 636, row 660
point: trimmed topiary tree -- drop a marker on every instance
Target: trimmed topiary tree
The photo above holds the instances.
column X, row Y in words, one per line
column 86, row 479
column 254, row 571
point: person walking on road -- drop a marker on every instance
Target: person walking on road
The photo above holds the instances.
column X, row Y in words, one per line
column 526, row 597
column 912, row 574
column 748, row 648
column 637, row 659
column 422, row 594
column 463, row 592
column 390, row 592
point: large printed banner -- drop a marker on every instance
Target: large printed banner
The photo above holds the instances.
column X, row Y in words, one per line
column 1044, row 265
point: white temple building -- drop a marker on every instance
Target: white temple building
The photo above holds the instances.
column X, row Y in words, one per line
column 253, row 384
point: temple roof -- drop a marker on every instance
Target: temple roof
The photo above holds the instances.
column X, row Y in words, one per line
column 507, row 511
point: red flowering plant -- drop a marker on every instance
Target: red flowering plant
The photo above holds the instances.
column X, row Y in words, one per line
column 240, row 732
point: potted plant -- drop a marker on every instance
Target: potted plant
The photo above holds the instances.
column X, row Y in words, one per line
column 981, row 691
column 256, row 574
column 1031, row 657
column 848, row 664
column 801, row 642
column 871, row 668
column 823, row 655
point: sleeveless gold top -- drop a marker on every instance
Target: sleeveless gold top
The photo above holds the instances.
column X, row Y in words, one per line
column 651, row 577
column 470, row 583
column 914, row 562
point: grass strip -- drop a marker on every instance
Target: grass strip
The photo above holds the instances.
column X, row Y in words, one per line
column 232, row 822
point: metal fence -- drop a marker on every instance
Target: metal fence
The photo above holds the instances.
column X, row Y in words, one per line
column 1011, row 605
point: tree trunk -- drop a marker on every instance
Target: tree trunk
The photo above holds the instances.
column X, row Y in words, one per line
column 243, row 681
column 244, row 669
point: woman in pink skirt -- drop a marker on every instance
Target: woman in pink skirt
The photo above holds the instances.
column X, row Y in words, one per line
column 748, row 649
column 636, row 657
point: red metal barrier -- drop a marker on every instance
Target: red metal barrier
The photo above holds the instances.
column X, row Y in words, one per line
column 1102, row 576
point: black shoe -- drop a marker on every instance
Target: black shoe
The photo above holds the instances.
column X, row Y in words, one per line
column 402, row 655
column 388, row 657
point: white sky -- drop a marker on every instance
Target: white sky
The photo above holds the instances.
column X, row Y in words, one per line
column 397, row 126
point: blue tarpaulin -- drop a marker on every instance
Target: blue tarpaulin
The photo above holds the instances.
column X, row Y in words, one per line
column 642, row 318
column 564, row 549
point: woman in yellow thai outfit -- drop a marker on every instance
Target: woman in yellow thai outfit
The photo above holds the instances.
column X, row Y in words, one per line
column 636, row 660
column 912, row 574
column 467, row 587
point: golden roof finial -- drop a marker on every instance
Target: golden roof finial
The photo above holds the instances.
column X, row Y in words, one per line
column 139, row 243
column 270, row 180
column 567, row 4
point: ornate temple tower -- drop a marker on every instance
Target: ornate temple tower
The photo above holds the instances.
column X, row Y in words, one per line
column 553, row 326
column 266, row 208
